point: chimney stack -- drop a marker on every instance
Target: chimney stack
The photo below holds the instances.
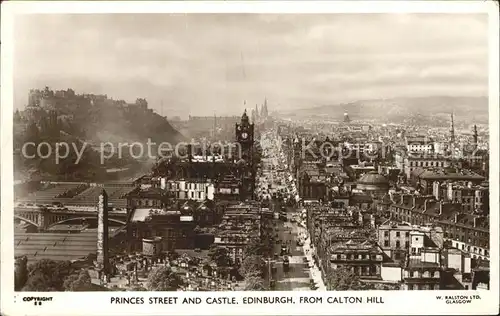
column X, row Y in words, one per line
column 190, row 152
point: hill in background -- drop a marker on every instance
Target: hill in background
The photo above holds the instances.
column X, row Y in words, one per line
column 465, row 109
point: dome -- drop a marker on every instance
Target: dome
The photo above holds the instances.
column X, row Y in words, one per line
column 373, row 178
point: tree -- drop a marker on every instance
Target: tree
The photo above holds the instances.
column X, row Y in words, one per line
column 260, row 248
column 32, row 133
column 39, row 283
column 78, row 282
column 164, row 279
column 254, row 284
column 47, row 275
column 219, row 255
column 20, row 272
column 384, row 287
column 17, row 117
column 252, row 266
column 344, row 279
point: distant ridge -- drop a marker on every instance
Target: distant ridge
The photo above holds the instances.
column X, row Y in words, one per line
column 399, row 109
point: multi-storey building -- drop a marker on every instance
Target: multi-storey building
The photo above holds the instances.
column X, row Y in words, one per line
column 146, row 197
column 312, row 182
column 363, row 258
column 413, row 161
column 228, row 189
column 420, row 209
column 421, row 274
column 175, row 228
column 419, row 144
column 396, row 239
column 240, row 224
column 468, row 232
column 424, row 179
column 189, row 189
column 472, row 197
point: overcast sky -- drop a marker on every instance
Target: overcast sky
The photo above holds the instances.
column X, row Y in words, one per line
column 201, row 63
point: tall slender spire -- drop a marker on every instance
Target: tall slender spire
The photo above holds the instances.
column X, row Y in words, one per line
column 475, row 136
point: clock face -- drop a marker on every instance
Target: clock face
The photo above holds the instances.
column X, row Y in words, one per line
column 244, row 135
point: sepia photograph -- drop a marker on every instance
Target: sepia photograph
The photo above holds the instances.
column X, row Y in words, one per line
column 329, row 152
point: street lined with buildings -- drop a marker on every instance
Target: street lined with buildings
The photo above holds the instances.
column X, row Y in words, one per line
column 351, row 205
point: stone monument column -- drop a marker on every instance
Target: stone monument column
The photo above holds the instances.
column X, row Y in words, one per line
column 102, row 234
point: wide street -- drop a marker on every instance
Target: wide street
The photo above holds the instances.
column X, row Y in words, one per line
column 297, row 276
column 274, row 182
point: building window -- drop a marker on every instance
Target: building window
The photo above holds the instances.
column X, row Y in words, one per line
column 386, row 243
column 398, row 234
column 398, row 244
column 407, row 244
column 407, row 234
column 386, row 233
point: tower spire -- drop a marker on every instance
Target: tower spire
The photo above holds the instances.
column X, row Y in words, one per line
column 475, row 136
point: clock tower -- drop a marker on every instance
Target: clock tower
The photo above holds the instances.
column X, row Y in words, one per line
column 245, row 136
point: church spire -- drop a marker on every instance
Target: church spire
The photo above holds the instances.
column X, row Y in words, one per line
column 264, row 111
column 475, row 136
